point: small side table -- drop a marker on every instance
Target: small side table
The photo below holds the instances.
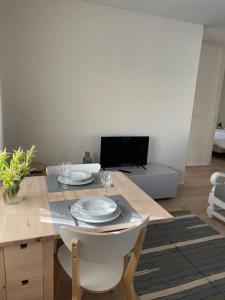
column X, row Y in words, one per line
column 38, row 169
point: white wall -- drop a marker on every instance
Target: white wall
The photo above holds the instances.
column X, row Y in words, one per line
column 206, row 105
column 74, row 71
column 215, row 36
column 221, row 116
column 1, row 41
column 1, row 129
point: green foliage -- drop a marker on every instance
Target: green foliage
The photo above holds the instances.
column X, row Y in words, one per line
column 14, row 170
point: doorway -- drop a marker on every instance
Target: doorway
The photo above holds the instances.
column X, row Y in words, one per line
column 206, row 105
column 218, row 154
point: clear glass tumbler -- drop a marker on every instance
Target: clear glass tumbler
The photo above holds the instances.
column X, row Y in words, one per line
column 106, row 180
column 65, row 171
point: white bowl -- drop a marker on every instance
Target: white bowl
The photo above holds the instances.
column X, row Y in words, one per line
column 71, row 181
column 95, row 206
column 95, row 219
column 80, row 175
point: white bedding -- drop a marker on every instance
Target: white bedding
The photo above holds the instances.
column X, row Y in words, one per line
column 219, row 139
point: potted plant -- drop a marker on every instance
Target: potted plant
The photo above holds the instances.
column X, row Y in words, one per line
column 14, row 167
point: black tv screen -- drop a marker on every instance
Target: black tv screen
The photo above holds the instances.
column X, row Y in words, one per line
column 124, row 151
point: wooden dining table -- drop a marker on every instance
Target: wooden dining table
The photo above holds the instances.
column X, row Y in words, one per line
column 28, row 237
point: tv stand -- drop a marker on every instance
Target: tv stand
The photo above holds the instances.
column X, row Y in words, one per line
column 157, row 180
column 125, row 171
column 143, row 167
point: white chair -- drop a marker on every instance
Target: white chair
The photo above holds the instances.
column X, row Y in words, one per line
column 217, row 197
column 96, row 261
column 91, row 168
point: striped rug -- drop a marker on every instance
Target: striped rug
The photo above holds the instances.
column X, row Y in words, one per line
column 183, row 259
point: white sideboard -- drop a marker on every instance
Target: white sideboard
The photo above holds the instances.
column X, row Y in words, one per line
column 157, row 180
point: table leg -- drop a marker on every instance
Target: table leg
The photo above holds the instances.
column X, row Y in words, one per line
column 48, row 266
column 2, row 276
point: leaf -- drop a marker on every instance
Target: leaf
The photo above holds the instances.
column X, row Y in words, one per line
column 18, row 168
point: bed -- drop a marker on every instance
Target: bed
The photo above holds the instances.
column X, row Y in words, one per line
column 219, row 141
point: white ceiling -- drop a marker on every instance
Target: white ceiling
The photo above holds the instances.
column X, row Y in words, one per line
column 207, row 12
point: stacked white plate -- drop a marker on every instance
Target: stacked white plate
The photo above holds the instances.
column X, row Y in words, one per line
column 95, row 209
column 76, row 178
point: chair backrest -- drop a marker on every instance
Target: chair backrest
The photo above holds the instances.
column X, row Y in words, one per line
column 91, row 168
column 102, row 247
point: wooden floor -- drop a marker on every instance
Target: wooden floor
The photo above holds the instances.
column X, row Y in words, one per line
column 193, row 194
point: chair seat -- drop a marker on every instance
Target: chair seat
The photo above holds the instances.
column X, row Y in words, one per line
column 93, row 277
column 220, row 192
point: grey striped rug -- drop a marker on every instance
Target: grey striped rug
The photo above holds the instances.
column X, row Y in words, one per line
column 183, row 259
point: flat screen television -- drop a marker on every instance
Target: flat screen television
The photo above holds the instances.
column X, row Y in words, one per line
column 124, row 151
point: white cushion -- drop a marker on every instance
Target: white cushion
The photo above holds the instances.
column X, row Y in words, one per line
column 93, row 277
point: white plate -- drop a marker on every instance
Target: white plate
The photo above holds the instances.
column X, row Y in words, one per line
column 80, row 175
column 71, row 181
column 90, row 219
column 95, row 206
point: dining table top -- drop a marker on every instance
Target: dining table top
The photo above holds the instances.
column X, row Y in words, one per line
column 31, row 218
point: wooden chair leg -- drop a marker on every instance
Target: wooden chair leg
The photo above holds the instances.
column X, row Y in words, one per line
column 128, row 290
column 77, row 291
column 129, row 270
column 56, row 277
column 57, row 269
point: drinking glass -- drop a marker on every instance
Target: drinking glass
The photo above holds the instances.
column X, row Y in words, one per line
column 65, row 169
column 106, row 180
